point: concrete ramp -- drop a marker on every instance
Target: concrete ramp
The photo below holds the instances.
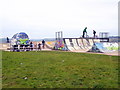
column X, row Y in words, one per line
column 75, row 44
column 111, row 46
column 82, row 45
column 104, row 47
column 98, row 47
column 50, row 44
column 69, row 46
column 86, row 44
column 91, row 42
column 89, row 45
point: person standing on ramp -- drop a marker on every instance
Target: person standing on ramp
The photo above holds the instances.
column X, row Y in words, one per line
column 84, row 31
column 94, row 32
column 43, row 43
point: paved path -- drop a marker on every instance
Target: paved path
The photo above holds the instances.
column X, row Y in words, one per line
column 115, row 53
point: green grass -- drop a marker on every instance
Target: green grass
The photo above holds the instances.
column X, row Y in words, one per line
column 52, row 69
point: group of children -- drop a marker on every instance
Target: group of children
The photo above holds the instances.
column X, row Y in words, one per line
column 38, row 45
column 85, row 31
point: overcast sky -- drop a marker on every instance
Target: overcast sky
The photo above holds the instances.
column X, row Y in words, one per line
column 42, row 18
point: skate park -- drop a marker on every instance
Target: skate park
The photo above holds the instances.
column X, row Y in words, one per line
column 98, row 45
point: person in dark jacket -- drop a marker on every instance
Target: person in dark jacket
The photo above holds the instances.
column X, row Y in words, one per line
column 39, row 46
column 7, row 40
column 84, row 31
column 43, row 43
column 94, row 32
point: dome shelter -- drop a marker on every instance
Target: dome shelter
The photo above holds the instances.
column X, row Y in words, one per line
column 20, row 41
column 20, row 35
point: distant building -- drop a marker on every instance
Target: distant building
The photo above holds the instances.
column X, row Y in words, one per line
column 104, row 35
column 114, row 38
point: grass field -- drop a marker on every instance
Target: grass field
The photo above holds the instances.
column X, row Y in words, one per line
column 52, row 69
